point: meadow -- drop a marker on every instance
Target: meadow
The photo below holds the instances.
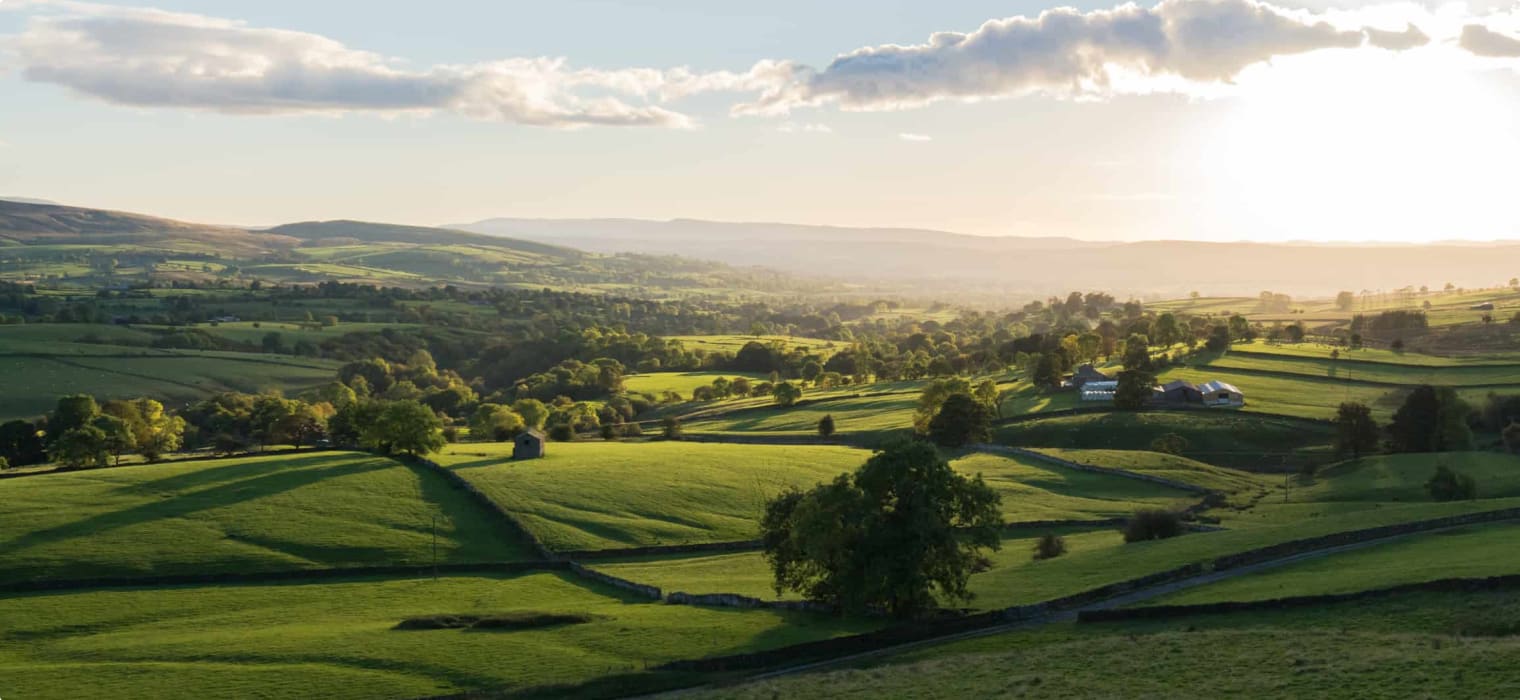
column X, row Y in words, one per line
column 607, row 495
column 1359, row 370
column 683, row 383
column 1401, row 478
column 337, row 639
column 1035, row 490
column 1225, row 438
column 316, row 511
column 1469, row 552
column 731, row 344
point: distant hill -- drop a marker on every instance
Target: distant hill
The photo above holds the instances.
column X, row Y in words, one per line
column 956, row 262
column 48, row 224
column 26, row 200
column 330, row 233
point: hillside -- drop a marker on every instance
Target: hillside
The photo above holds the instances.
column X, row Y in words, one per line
column 1038, row 265
column 51, row 225
column 337, row 232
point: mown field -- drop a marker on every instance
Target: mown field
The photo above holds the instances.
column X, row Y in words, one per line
column 1415, row 645
column 336, row 639
column 316, row 511
column 683, row 383
column 1469, row 552
column 593, row 495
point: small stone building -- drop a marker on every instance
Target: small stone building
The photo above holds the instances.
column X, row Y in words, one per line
column 1180, row 392
column 528, row 445
column 1223, row 394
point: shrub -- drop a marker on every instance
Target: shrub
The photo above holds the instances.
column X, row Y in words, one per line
column 826, row 426
column 451, row 434
column 1152, row 524
column 1049, row 547
column 632, row 430
column 670, row 427
column 562, row 433
column 609, row 431
column 1450, row 485
column 4, row 464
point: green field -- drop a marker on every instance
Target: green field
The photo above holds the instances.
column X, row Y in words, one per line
column 731, row 344
column 1035, row 490
column 1347, row 355
column 1227, row 438
column 1471, row 552
column 596, row 495
column 1366, row 371
column 321, row 510
column 335, row 639
column 1167, row 466
column 1416, row 645
column 683, row 383
column 1402, row 478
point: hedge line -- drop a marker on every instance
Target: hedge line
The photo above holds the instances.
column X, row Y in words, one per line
column 278, row 576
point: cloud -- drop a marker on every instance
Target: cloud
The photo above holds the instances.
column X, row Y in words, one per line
column 1068, row 52
column 1482, row 41
column 804, row 128
column 152, row 58
column 916, row 138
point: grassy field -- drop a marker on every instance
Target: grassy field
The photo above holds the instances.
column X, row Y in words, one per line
column 1167, row 466
column 732, row 343
column 683, row 383
column 594, row 495
column 335, row 639
column 1467, row 552
column 1034, row 490
column 1401, row 478
column 1227, row 438
column 1416, row 645
column 283, row 512
column 1412, row 359
column 747, row 573
column 1369, row 371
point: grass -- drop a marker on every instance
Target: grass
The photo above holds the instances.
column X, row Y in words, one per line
column 1362, row 355
column 596, row 495
column 682, row 383
column 337, row 639
column 1034, row 490
column 747, row 573
column 1365, row 371
column 1402, row 477
column 733, row 343
column 1167, row 466
column 285, row 512
column 1372, row 649
column 1467, row 552
column 1227, row 438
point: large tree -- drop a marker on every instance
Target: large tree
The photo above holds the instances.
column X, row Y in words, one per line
column 407, row 427
column 902, row 532
column 1432, row 419
column 1139, row 376
column 20, row 444
column 961, row 420
column 1355, row 430
column 495, row 423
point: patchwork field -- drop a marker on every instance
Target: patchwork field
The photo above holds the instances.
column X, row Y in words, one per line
column 683, row 383
column 1456, row 375
column 337, row 639
column 732, row 343
column 1471, row 552
column 611, row 495
column 283, row 512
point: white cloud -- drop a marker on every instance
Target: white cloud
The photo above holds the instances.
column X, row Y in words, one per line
column 804, row 128
column 1067, row 52
column 152, row 58
column 915, row 138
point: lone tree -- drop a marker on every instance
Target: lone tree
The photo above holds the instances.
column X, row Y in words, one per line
column 1449, row 485
column 826, row 426
column 1432, row 419
column 961, row 420
column 1355, row 430
column 902, row 532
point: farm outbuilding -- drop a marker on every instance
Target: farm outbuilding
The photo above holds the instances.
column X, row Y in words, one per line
column 528, row 445
column 1179, row 391
column 1085, row 374
column 1217, row 393
column 1099, row 390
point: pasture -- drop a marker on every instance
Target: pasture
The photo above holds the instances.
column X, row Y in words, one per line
column 336, row 639
column 1167, row 466
column 1226, row 438
column 314, row 511
column 609, row 495
column 1469, row 552
column 731, row 344
column 683, row 383
column 1357, row 370
column 1401, row 478
column 1035, row 490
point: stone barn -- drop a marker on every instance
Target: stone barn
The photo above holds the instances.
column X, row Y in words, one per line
column 528, row 445
column 1217, row 393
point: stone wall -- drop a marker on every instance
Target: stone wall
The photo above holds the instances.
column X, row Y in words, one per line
column 1287, row 549
column 638, row 589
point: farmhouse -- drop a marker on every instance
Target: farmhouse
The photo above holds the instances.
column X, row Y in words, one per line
column 528, row 445
column 1217, row 393
column 1099, row 390
column 1179, row 392
column 1084, row 374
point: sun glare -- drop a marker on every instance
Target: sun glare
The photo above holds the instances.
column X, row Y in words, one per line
column 1366, row 146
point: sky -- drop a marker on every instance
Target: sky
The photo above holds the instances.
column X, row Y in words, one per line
column 1187, row 119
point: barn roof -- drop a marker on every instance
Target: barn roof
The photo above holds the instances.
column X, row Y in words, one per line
column 1216, row 386
column 1176, row 384
column 535, row 432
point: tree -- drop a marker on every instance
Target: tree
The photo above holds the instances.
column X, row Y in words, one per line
column 1355, row 430
column 900, row 533
column 534, row 413
column 786, row 394
column 1449, row 485
column 304, row 425
column 826, row 426
column 562, row 432
column 1165, row 331
column 78, row 447
column 1152, row 524
column 1432, row 419
column 1049, row 547
column 407, row 427
column 73, row 411
column 1047, row 372
column 1219, row 339
column 1345, row 301
column 933, row 396
column 987, row 395
column 961, row 420
column 20, row 443
column 1512, row 437
column 155, row 433
column 1170, row 443
column 117, row 436
column 1240, row 328
column 670, row 428
column 496, row 423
